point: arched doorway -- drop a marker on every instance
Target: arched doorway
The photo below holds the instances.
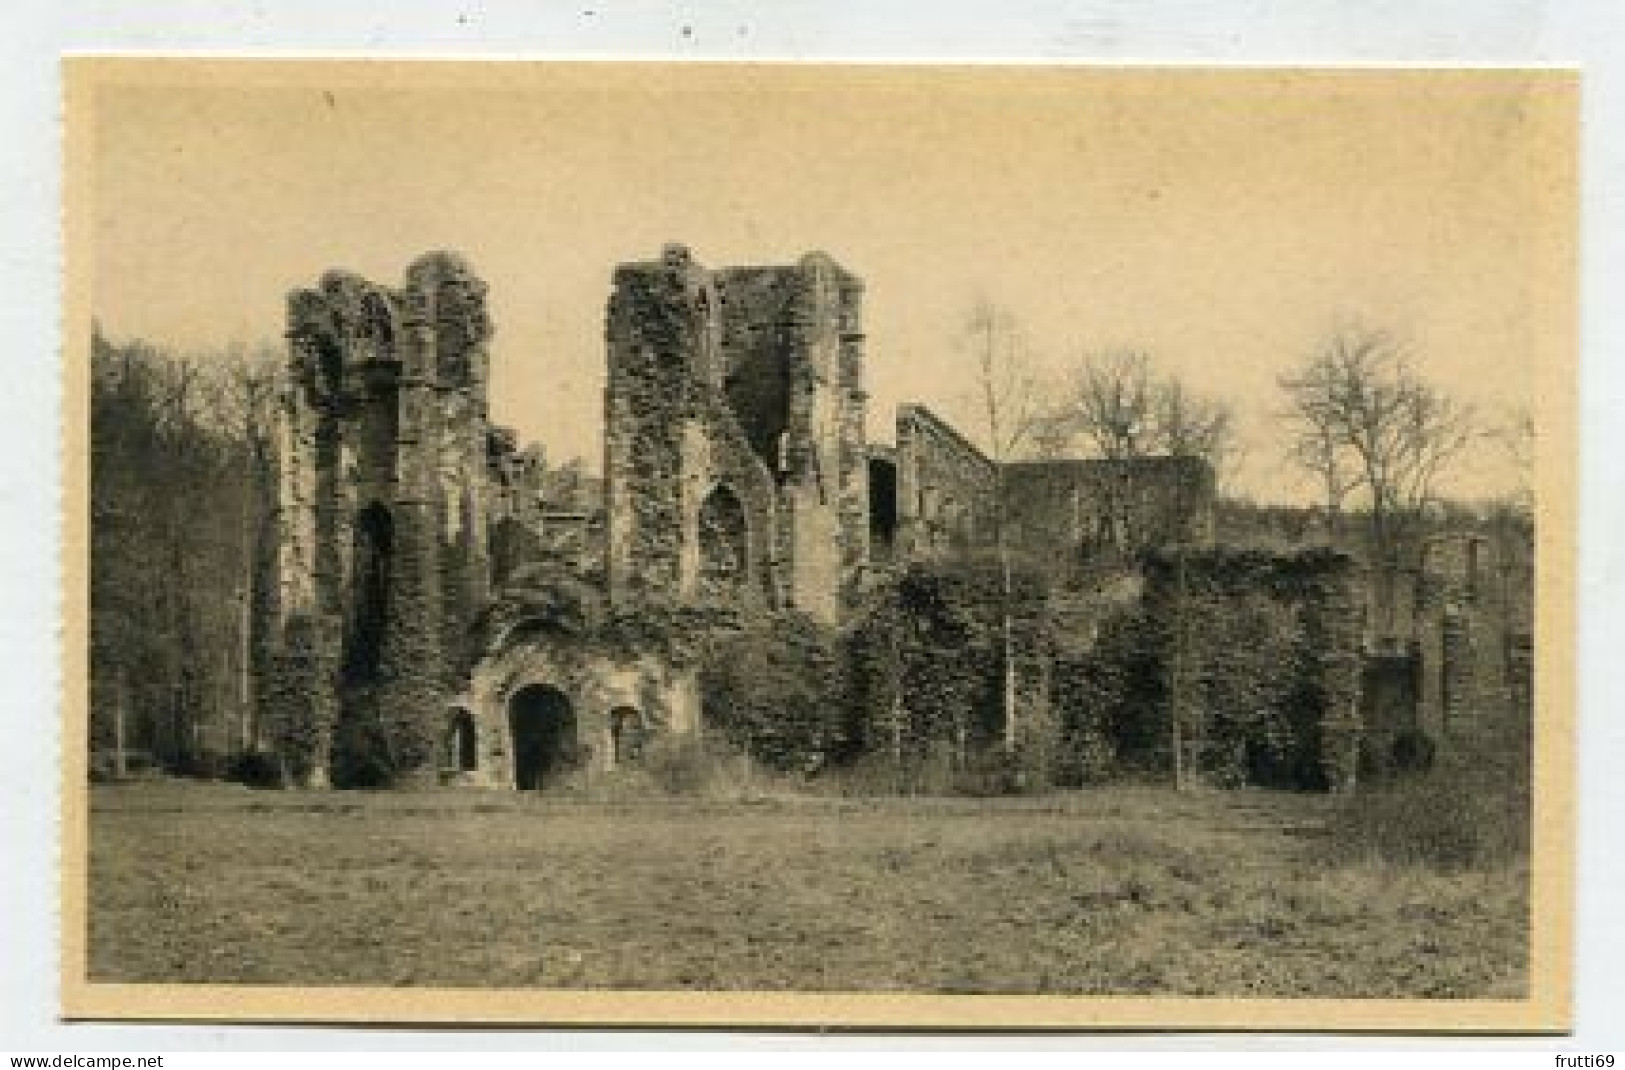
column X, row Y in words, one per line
column 462, row 753
column 543, row 725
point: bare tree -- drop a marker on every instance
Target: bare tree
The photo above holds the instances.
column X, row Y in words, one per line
column 1107, row 406
column 1365, row 421
column 1514, row 434
column 245, row 392
column 1186, row 424
column 1114, row 406
column 1009, row 403
column 1313, row 445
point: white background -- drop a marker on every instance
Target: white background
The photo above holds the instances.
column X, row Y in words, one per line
column 34, row 33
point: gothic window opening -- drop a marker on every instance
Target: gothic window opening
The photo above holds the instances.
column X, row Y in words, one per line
column 370, row 569
column 1474, row 570
column 724, row 543
column 882, row 508
column 330, row 361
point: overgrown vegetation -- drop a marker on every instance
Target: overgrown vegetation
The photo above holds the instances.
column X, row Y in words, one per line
column 913, row 697
column 777, row 689
column 928, row 676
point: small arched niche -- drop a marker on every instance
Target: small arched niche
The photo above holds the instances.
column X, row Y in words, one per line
column 462, row 742
column 627, row 734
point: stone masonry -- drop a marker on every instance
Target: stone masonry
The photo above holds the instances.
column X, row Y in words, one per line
column 734, row 456
column 736, row 470
column 388, row 472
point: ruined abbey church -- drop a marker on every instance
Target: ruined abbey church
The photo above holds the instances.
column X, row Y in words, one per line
column 736, row 466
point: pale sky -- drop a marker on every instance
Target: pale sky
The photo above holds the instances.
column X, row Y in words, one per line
column 1221, row 221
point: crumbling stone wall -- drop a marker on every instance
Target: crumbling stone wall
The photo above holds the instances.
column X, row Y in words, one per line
column 946, row 488
column 748, row 379
column 670, row 439
column 1464, row 631
column 736, row 471
column 515, row 525
column 384, row 417
column 1261, row 662
column 1073, row 510
column 792, row 344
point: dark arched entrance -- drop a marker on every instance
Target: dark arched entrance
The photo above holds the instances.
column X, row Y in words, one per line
column 544, row 735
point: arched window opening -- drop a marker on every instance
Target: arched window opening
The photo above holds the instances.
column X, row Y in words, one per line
column 724, row 543
column 1475, row 564
column 373, row 542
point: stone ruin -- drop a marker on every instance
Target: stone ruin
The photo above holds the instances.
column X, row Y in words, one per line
column 736, row 467
column 389, row 482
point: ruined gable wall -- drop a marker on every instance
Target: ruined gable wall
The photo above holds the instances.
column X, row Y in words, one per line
column 945, row 487
column 749, row 378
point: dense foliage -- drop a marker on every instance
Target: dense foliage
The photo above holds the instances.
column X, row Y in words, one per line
column 1109, row 698
column 1252, row 719
column 776, row 689
column 1260, row 653
column 543, row 599
column 927, row 661
column 1249, row 654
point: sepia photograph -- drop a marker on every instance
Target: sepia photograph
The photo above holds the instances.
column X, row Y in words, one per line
column 808, row 544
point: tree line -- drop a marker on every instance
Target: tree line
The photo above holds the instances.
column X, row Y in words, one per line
column 180, row 468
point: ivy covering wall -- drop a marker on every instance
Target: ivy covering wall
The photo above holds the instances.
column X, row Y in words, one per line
column 927, row 664
column 1259, row 657
column 776, row 689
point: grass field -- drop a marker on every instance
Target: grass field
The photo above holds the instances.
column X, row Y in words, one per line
column 1126, row 891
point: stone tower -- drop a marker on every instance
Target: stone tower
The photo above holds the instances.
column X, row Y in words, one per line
column 735, row 458
column 382, row 549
